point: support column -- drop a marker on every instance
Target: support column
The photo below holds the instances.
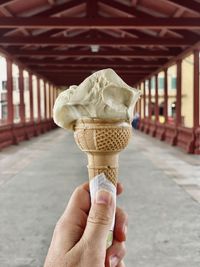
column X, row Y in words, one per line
column 196, row 103
column 10, row 92
column 50, row 96
column 156, row 99
column 45, row 101
column 196, row 89
column 54, row 94
column 21, row 95
column 152, row 124
column 140, row 106
column 165, row 96
column 31, row 96
column 146, row 120
column 144, row 97
column 38, row 95
column 150, row 107
column 178, row 92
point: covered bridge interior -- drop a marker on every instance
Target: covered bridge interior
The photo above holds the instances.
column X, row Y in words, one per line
column 152, row 45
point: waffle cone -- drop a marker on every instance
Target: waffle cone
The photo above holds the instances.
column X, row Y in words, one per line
column 102, row 140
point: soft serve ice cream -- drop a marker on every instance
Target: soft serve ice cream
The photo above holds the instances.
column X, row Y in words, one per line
column 102, row 95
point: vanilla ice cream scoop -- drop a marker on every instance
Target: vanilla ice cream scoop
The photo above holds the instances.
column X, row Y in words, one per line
column 102, row 95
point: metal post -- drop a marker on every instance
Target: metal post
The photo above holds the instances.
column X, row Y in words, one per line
column 165, row 95
column 10, row 92
column 21, row 95
column 38, row 95
column 31, row 96
column 156, row 99
column 196, row 89
column 178, row 92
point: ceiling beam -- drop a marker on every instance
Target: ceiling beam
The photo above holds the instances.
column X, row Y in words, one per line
column 141, row 14
column 68, row 80
column 9, row 14
column 134, row 2
column 53, row 11
column 6, row 2
column 79, row 71
column 86, row 69
column 100, row 23
column 91, row 8
column 57, row 9
column 121, row 8
column 82, row 76
column 156, row 41
column 93, row 63
column 85, row 74
column 189, row 5
column 111, row 54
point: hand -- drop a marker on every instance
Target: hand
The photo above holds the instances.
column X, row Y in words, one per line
column 80, row 235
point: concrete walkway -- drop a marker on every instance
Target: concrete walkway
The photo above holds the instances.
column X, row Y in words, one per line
column 162, row 195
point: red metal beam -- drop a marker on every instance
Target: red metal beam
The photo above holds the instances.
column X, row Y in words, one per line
column 83, row 70
column 156, row 99
column 189, row 5
column 121, row 8
column 116, row 6
column 18, row 40
column 10, row 92
column 38, row 99
column 93, row 63
column 196, row 89
column 91, row 8
column 85, row 74
column 31, row 96
column 178, row 92
column 21, row 94
column 6, row 2
column 134, row 69
column 57, row 9
column 149, row 102
column 69, row 79
column 67, row 82
column 144, row 99
column 100, row 23
column 141, row 14
column 111, row 54
column 165, row 95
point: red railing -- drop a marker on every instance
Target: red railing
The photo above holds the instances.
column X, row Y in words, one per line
column 15, row 133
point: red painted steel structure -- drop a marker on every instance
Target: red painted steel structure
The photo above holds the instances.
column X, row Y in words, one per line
column 13, row 133
column 54, row 40
column 176, row 134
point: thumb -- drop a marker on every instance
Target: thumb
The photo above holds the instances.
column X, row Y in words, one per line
column 99, row 220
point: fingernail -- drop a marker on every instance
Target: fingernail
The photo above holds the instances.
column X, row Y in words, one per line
column 103, row 197
column 114, row 261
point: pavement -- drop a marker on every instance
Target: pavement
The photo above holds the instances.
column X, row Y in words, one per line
column 162, row 199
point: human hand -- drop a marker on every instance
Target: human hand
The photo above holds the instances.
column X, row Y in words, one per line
column 80, row 235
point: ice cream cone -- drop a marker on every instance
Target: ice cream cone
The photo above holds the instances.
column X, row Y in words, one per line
column 102, row 140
